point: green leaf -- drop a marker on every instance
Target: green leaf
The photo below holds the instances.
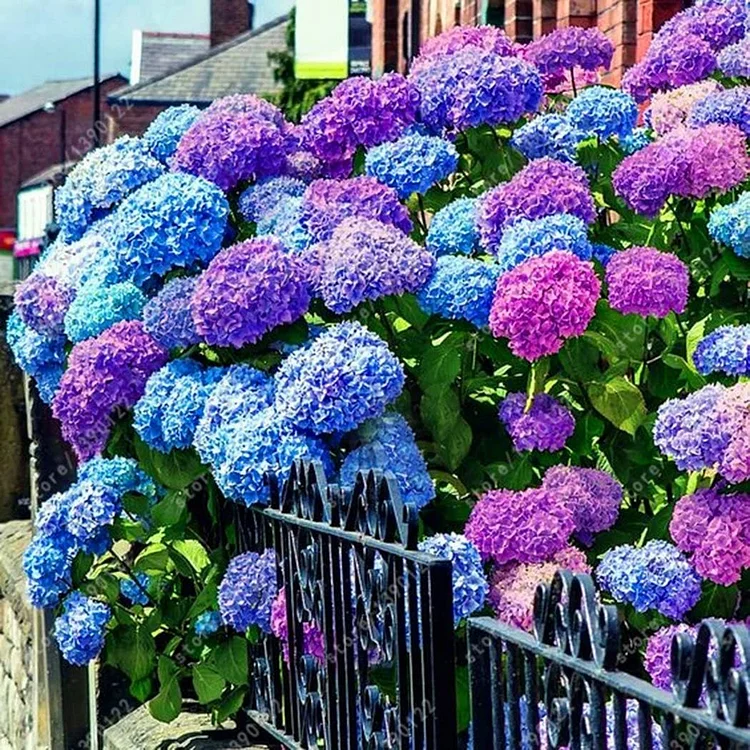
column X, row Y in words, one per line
column 176, row 470
column 579, row 358
column 171, row 510
column 133, row 650
column 588, row 428
column 230, row 705
column 154, row 559
column 441, row 413
column 192, row 552
column 463, row 701
column 618, row 336
column 208, row 683
column 141, row 689
column 694, row 335
column 230, row 660
column 105, row 585
column 716, row 601
column 206, row 599
column 441, row 364
column 81, row 566
column 620, row 402
column 135, row 504
column 167, row 704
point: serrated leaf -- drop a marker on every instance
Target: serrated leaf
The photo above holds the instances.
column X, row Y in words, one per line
column 171, row 510
column 154, row 558
column 230, row 660
column 230, row 705
column 440, row 364
column 208, row 683
column 191, row 551
column 133, row 650
column 619, row 401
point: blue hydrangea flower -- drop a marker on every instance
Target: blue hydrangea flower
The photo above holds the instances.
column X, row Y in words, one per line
column 121, row 475
column 602, row 253
column 730, row 225
column 173, row 222
column 164, row 133
column 727, row 350
column 638, row 139
column 343, row 377
column 167, row 414
column 47, row 564
column 167, row 316
column 470, row 587
column 655, row 576
column 256, row 445
column 81, row 628
column 603, row 112
column 460, row 289
column 388, row 444
column 247, row 591
column 262, row 197
column 527, row 238
column 41, row 357
column 207, row 623
column 135, row 593
column 412, row 164
column 96, row 308
column 91, row 511
column 100, row 180
column 241, row 392
column 284, row 223
column 725, row 107
column 548, row 135
column 453, row 229
column 734, row 60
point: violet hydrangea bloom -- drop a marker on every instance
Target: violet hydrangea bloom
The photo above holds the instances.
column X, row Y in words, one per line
column 730, row 225
column 544, row 427
column 603, row 112
column 260, row 198
column 80, row 629
column 658, row 656
column 42, row 301
column 163, row 135
column 167, row 316
column 670, row 109
column 646, row 281
column 460, row 289
column 593, row 496
column 524, row 527
column 105, row 373
column 470, row 586
column 727, row 107
column 550, row 135
column 413, row 163
column 653, row 577
column 513, row 587
column 714, row 529
column 233, row 141
column 313, row 639
column 542, row 188
column 734, row 61
column 343, row 377
column 247, row 591
column 543, row 302
column 558, row 52
column 456, row 39
column 365, row 260
column 246, row 291
column 326, row 203
column 388, row 443
column 726, row 349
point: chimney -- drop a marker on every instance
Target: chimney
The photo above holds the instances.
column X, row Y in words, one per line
column 229, row 18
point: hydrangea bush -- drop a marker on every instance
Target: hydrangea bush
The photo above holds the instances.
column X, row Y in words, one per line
column 515, row 289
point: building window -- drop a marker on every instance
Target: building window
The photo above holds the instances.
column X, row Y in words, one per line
column 495, row 13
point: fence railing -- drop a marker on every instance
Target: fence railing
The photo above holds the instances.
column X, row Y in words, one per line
column 561, row 687
column 381, row 674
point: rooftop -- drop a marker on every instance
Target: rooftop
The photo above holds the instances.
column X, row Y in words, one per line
column 156, row 53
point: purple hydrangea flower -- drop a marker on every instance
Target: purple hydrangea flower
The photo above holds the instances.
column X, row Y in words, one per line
column 470, row 586
column 486, row 38
column 670, row 109
column 734, row 61
column 365, row 260
column 247, row 591
column 544, row 301
column 545, row 426
column 234, row 141
column 262, row 197
column 246, row 291
column 658, row 656
column 543, row 188
column 42, row 301
column 81, row 628
column 726, row 349
column 646, row 281
column 326, row 203
column 343, row 377
column 106, row 373
column 714, row 528
column 313, row 639
column 594, row 497
column 728, row 107
column 167, row 316
column 522, row 527
column 653, row 577
column 557, row 53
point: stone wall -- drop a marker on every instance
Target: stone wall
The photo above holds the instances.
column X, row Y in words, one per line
column 16, row 653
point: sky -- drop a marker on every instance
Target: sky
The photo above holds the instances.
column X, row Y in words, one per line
column 52, row 39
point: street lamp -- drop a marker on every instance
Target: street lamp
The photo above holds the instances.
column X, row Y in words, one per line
column 51, row 108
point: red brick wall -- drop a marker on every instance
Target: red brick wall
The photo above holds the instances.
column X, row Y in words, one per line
column 33, row 144
column 229, row 18
column 132, row 119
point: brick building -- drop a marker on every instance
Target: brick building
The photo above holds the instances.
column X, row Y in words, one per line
column 399, row 26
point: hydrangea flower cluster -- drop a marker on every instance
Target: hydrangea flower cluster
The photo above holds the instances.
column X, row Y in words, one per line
column 653, row 577
column 453, row 229
column 543, row 302
column 42, row 302
column 163, row 135
column 284, row 222
column 207, row 623
column 412, row 164
column 167, row 318
column 470, row 586
column 658, row 657
column 261, row 197
column 543, row 188
column 726, row 349
column 135, row 590
column 98, row 307
column 712, row 527
column 388, row 443
column 365, row 260
column 79, row 630
column 550, row 135
column 487, row 38
column 645, row 281
column 726, row 107
column 670, row 109
column 527, row 238
column 313, row 640
column 460, row 289
column 247, row 290
column 734, row 60
column 544, row 426
column 730, row 225
column 247, row 591
column 603, row 112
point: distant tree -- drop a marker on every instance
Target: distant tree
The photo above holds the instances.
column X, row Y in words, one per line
column 297, row 95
